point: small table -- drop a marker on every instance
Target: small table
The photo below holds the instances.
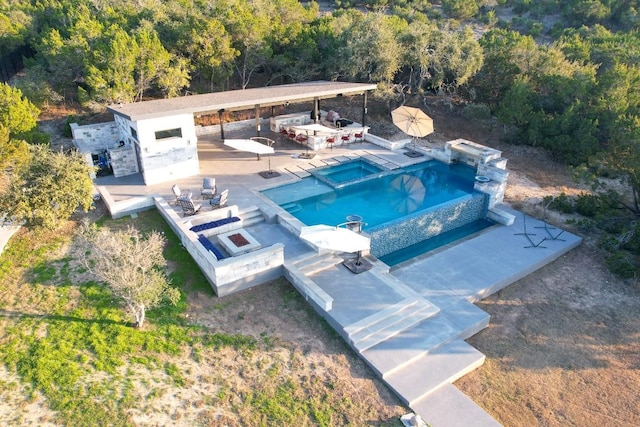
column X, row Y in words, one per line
column 238, row 242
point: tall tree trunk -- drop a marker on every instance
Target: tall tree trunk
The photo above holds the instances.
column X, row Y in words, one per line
column 140, row 315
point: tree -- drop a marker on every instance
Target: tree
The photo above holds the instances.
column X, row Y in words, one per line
column 209, row 48
column 110, row 73
column 369, row 50
column 17, row 114
column 49, row 189
column 132, row 265
column 460, row 9
column 13, row 152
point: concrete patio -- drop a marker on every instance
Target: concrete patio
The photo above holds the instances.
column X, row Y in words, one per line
column 407, row 323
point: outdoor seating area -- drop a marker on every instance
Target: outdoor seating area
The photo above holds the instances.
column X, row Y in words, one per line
column 325, row 133
column 190, row 207
column 226, row 270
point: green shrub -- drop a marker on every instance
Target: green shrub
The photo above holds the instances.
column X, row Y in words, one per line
column 623, row 264
column 588, row 204
column 476, row 112
column 561, row 203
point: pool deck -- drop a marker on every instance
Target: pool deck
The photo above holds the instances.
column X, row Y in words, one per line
column 407, row 323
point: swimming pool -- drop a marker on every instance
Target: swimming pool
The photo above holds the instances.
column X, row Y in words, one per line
column 348, row 173
column 380, row 200
column 400, row 207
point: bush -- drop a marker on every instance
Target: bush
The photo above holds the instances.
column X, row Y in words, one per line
column 71, row 118
column 623, row 264
column 476, row 112
column 561, row 203
column 588, row 204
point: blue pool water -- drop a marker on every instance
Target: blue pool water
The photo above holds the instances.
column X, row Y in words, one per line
column 402, row 209
column 380, row 200
column 347, row 173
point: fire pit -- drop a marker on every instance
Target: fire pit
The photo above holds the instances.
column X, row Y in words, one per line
column 238, row 242
column 238, row 239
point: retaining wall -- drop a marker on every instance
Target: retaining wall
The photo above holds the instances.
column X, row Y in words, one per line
column 230, row 274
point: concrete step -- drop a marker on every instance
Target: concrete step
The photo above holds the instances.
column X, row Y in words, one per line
column 312, row 293
column 300, row 173
column 424, row 375
column 388, row 323
column 467, row 317
column 458, row 321
column 449, row 407
column 317, row 262
column 251, row 216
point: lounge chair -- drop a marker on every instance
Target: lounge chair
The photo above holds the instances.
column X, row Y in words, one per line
column 179, row 193
column 208, row 189
column 189, row 207
column 220, row 200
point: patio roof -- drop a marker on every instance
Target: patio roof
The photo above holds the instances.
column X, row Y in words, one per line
column 235, row 100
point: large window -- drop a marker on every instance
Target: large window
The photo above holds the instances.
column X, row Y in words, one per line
column 169, row 133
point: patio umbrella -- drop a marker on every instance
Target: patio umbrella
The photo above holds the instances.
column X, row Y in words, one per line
column 413, row 122
column 335, row 238
column 411, row 192
column 254, row 146
column 249, row 145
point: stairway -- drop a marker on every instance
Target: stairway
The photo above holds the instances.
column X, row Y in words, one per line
column 251, row 216
column 416, row 348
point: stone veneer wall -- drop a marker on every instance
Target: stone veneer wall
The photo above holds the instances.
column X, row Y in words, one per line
column 123, row 161
column 399, row 234
column 96, row 137
column 91, row 139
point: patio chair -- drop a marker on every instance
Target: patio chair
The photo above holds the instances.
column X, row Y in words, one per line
column 189, row 207
column 331, row 140
column 346, row 138
column 220, row 200
column 179, row 193
column 284, row 133
column 359, row 135
column 208, row 189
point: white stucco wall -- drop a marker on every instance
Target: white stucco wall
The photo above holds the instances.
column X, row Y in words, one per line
column 168, row 159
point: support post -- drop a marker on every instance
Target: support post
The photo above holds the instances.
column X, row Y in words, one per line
column 221, row 123
column 364, row 109
column 258, row 120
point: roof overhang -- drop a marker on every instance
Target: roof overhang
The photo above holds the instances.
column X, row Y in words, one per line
column 235, row 100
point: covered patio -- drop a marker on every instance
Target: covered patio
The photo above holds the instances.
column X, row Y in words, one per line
column 162, row 138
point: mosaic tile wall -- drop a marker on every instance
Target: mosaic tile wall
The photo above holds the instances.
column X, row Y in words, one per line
column 399, row 234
